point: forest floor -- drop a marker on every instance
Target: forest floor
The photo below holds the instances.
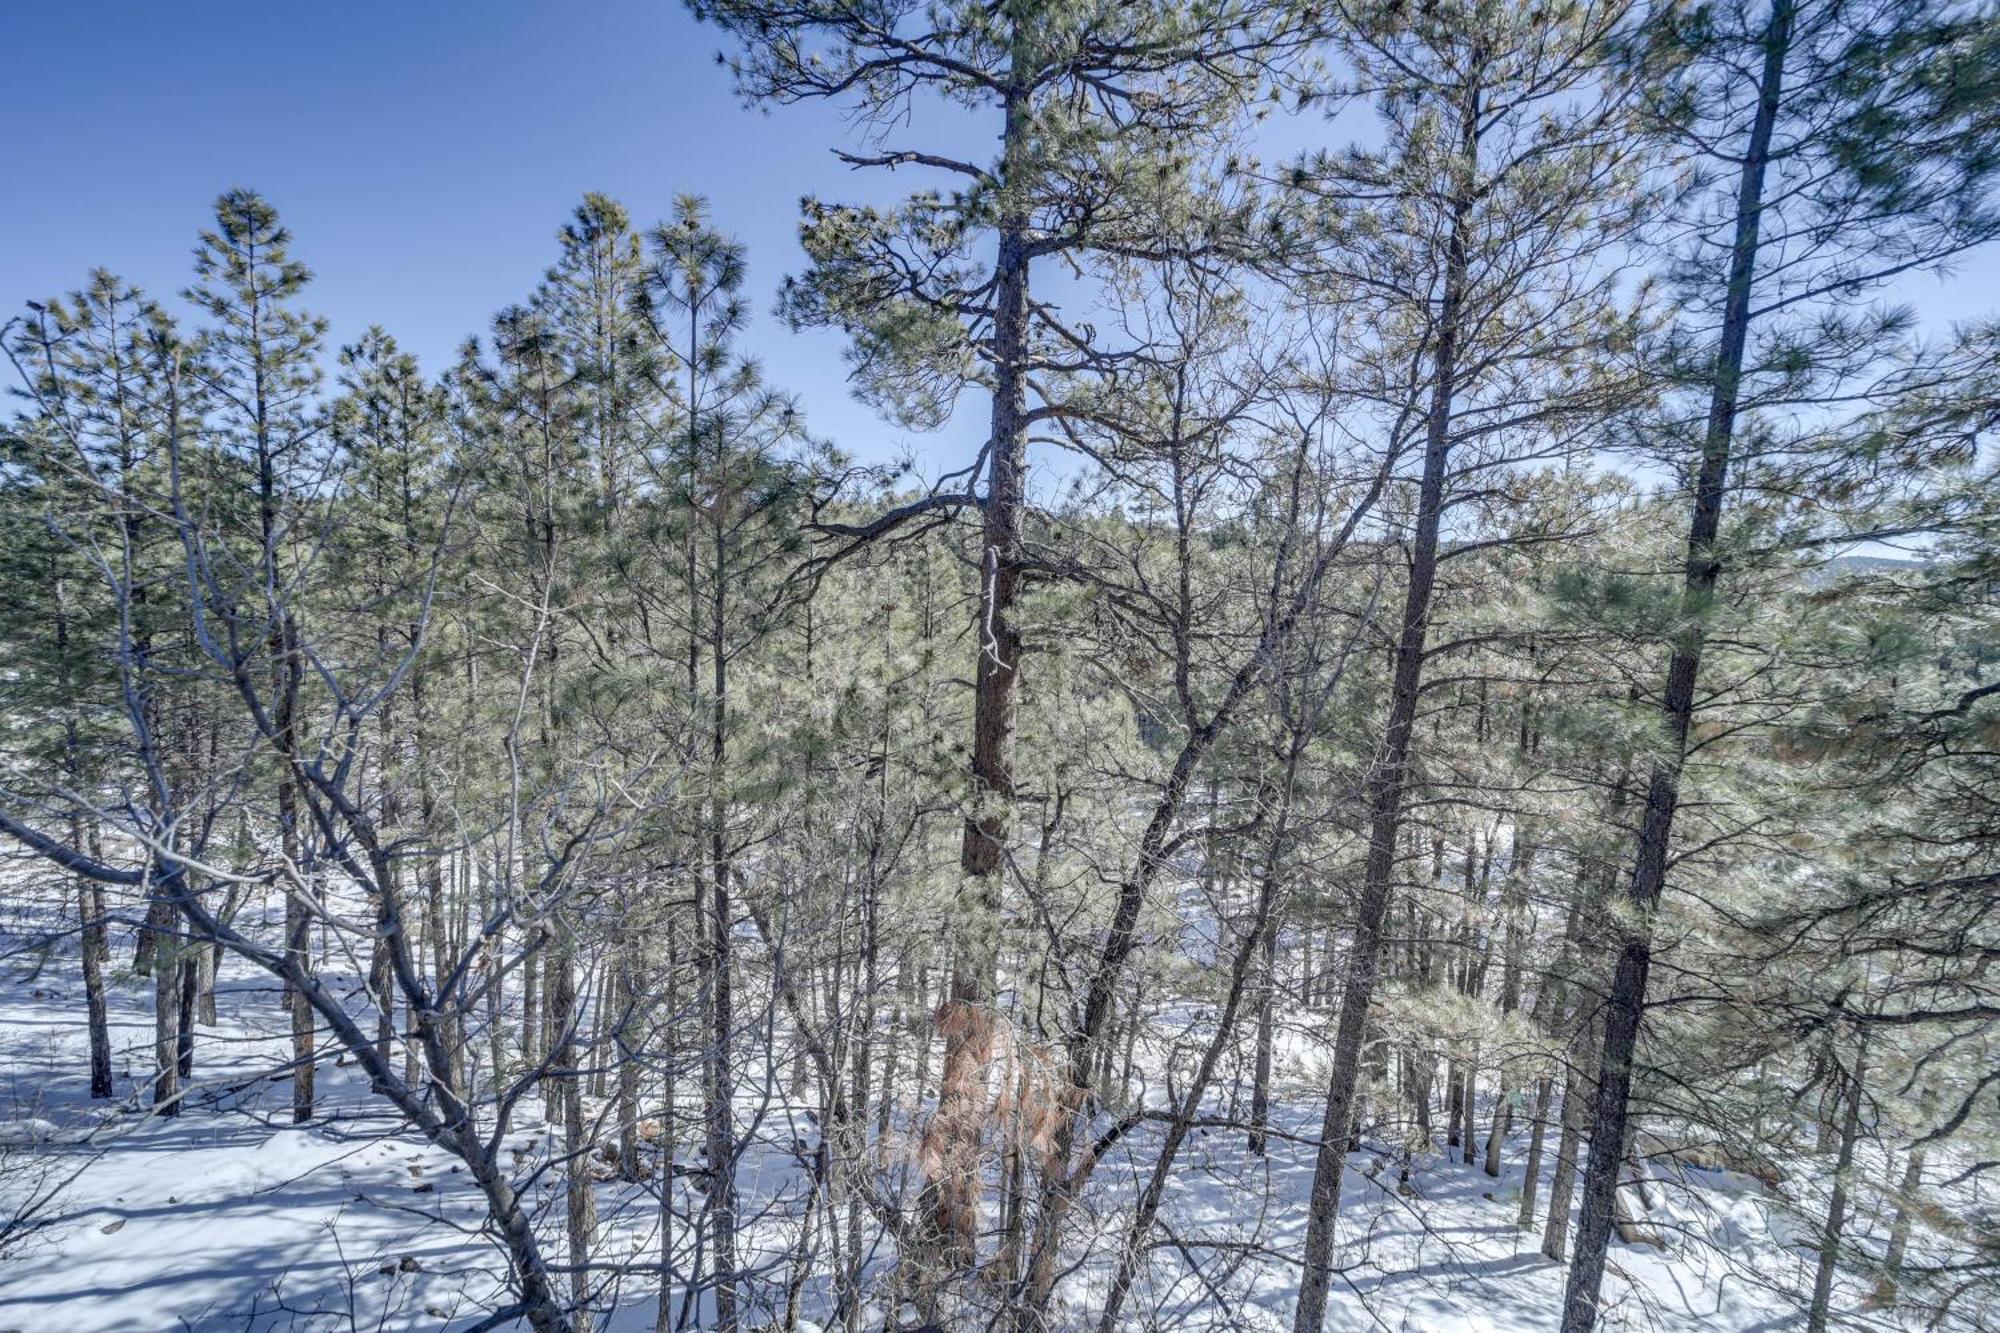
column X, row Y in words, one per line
column 229, row 1217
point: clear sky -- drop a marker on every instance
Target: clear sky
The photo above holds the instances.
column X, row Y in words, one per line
column 425, row 152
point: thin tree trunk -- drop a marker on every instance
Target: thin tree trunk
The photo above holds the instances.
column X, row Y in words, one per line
column 381, row 990
column 1468, row 1131
column 531, row 1005
column 663, row 1315
column 1386, row 782
column 1513, row 906
column 1899, row 1228
column 161, row 925
column 1628, row 988
column 208, row 960
column 184, row 1014
column 580, row 1204
column 625, row 1014
column 1836, row 1208
column 298, row 916
column 1531, row 1177
column 721, row 1113
column 1575, row 1104
column 1260, row 1087
column 95, row 945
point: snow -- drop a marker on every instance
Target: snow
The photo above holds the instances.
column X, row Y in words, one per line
column 33, row 1130
column 230, row 1217
column 225, row 1218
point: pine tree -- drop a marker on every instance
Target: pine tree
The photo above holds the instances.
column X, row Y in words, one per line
column 735, row 493
column 258, row 360
column 1088, row 104
column 1859, row 150
column 1504, row 188
column 85, row 460
column 388, row 425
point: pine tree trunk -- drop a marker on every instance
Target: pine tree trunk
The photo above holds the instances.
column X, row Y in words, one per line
column 1468, row 1130
column 381, row 985
column 1628, row 988
column 919, row 1020
column 721, row 1083
column 580, row 1204
column 951, row 1146
column 531, row 1015
column 892, row 1047
column 1569, row 1145
column 1423, row 1082
column 1260, row 1087
column 143, row 948
column 207, row 963
column 184, row 1013
column 1899, row 1228
column 1498, row 1133
column 625, row 1010
column 1836, row 1208
column 496, row 989
column 434, row 876
column 298, row 917
column 718, row 1097
column 603, row 1019
column 95, row 947
column 1531, row 1177
column 1513, row 906
column 1385, row 801
column 384, row 995
column 669, row 1139
column 161, row 928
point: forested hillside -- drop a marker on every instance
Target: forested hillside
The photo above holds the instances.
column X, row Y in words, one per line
column 1436, row 766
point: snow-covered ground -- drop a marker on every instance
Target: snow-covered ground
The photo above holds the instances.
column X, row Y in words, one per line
column 230, row 1218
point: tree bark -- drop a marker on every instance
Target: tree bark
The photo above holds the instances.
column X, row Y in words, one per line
column 1531, row 1172
column 1899, row 1228
column 162, row 928
column 1260, row 1086
column 1628, row 987
column 952, row 1141
column 95, row 946
column 1575, row 1106
column 1385, row 791
column 1836, row 1208
column 580, row 1204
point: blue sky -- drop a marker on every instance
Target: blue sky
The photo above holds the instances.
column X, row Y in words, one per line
column 424, row 154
